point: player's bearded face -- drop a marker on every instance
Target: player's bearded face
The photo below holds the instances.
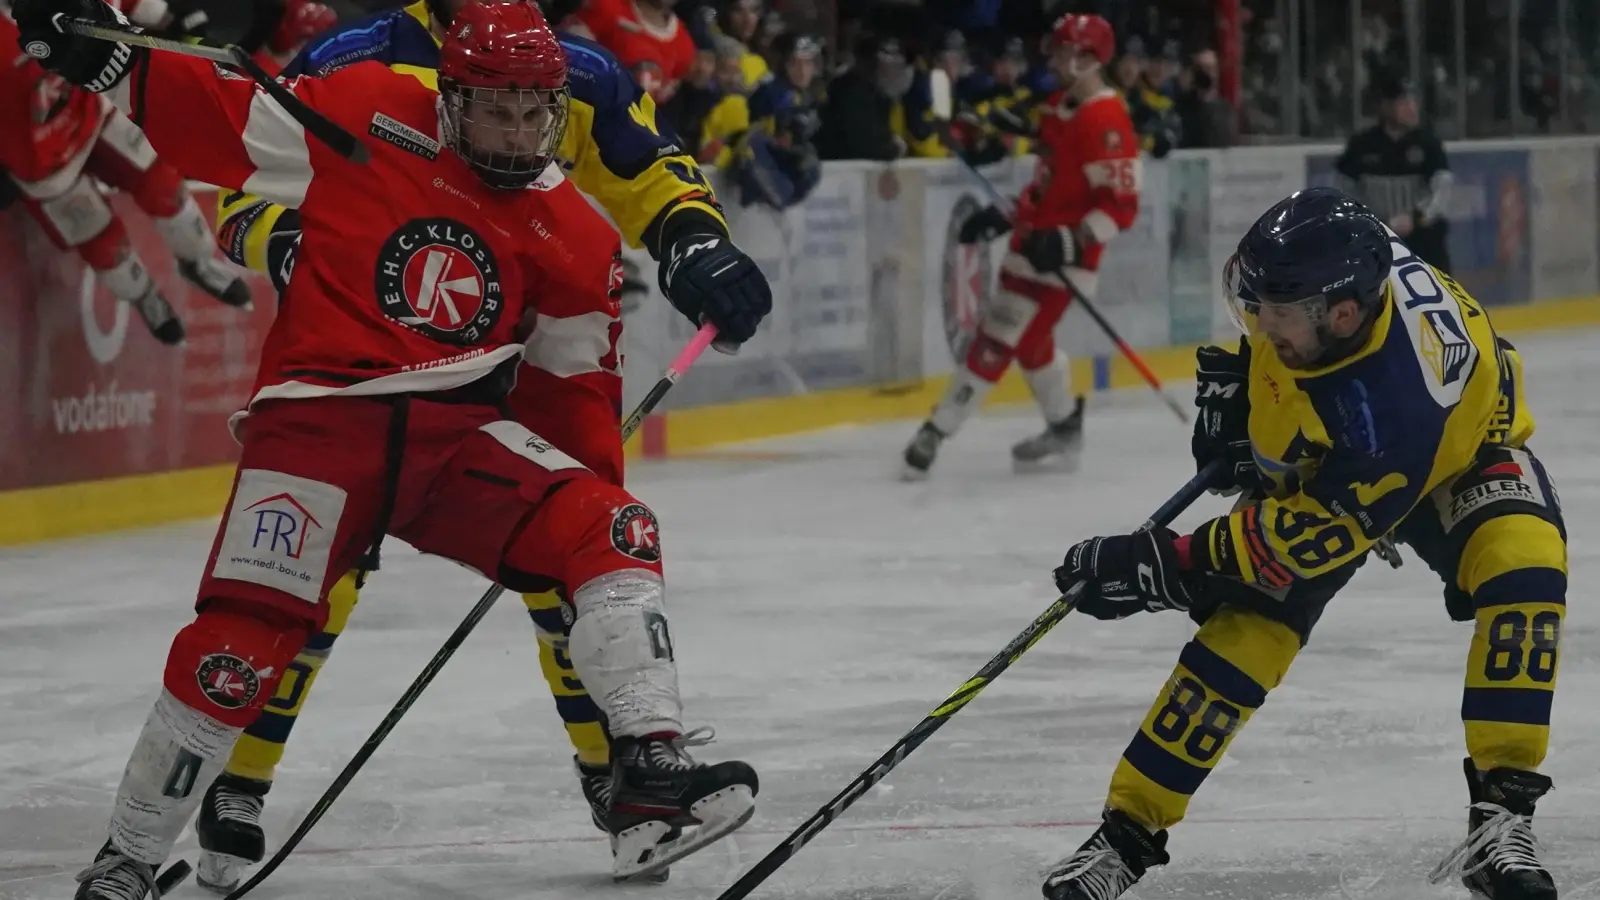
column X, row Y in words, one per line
column 1298, row 330
column 507, row 135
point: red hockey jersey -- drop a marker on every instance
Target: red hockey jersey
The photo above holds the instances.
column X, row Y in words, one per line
column 411, row 274
column 47, row 125
column 1089, row 172
column 657, row 58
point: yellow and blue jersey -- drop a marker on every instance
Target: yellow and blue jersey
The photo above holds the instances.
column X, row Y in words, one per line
column 614, row 149
column 1351, row 449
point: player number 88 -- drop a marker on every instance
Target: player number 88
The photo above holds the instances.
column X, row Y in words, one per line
column 1506, row 635
column 1217, row 720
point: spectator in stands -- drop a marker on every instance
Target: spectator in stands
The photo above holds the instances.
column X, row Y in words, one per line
column 856, row 111
column 777, row 164
column 729, row 118
column 739, row 20
column 648, row 38
column 995, row 108
column 910, row 92
column 1154, row 119
column 1207, row 118
column 692, row 103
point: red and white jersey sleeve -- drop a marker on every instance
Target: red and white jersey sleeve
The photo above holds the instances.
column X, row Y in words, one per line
column 1089, row 174
column 569, row 390
column 658, row 58
column 219, row 127
column 148, row 13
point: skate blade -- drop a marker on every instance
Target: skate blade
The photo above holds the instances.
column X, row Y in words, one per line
column 1062, row 462
column 720, row 814
column 219, row 872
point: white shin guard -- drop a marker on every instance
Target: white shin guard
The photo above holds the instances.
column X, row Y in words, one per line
column 961, row 399
column 622, row 651
column 1051, row 386
column 178, row 755
column 186, row 234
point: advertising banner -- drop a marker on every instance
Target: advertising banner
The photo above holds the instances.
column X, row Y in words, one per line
column 1243, row 186
column 1563, row 222
column 88, row 392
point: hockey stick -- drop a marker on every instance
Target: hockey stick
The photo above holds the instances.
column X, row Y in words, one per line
column 1133, row 358
column 322, row 128
column 681, row 364
column 952, row 704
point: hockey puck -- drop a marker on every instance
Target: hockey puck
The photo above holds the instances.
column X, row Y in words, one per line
column 173, row 876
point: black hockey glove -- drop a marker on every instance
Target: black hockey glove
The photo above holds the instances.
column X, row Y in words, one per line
column 1222, row 430
column 708, row 279
column 1050, row 249
column 92, row 63
column 984, row 226
column 1126, row 574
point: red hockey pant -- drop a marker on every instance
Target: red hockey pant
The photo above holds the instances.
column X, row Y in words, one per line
column 320, row 480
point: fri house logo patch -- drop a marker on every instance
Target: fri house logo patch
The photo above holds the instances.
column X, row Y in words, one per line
column 439, row 277
column 392, row 131
column 279, row 533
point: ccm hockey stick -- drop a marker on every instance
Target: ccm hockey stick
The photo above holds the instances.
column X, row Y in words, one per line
column 319, row 126
column 952, row 704
column 1133, row 358
column 681, row 364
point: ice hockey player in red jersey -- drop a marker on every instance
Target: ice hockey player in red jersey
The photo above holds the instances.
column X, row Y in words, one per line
column 55, row 140
column 647, row 36
column 377, row 410
column 1085, row 192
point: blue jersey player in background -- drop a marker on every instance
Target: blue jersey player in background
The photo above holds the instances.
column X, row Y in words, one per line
column 615, row 150
column 1370, row 398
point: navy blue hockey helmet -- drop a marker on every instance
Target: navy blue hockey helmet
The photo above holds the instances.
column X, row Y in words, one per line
column 1311, row 250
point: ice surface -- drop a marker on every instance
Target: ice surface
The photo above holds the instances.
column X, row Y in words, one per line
column 820, row 608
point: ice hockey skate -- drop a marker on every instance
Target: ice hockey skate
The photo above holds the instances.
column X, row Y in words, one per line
column 159, row 317
column 596, row 782
column 1057, row 448
column 1109, row 863
column 229, row 829
column 657, row 788
column 213, row 277
column 920, row 453
column 1499, row 860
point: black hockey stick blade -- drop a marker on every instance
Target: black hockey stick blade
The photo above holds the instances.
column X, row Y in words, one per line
column 952, row 704
column 173, row 876
column 319, row 126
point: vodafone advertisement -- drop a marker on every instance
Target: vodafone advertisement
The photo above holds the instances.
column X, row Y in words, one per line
column 86, row 392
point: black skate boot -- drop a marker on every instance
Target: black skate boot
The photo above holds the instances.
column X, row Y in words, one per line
column 159, row 317
column 229, row 828
column 113, row 876
column 211, row 276
column 596, row 782
column 1499, row 859
column 1109, row 863
column 1060, row 442
column 656, row 788
column 921, row 451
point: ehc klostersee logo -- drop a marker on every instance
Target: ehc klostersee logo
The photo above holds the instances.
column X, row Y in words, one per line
column 440, row 277
column 96, row 409
column 279, row 532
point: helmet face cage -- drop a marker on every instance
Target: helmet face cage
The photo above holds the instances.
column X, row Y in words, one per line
column 1245, row 305
column 508, row 135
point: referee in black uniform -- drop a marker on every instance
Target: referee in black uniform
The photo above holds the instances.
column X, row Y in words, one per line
column 1399, row 170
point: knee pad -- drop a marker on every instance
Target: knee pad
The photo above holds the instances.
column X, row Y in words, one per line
column 227, row 663
column 582, row 529
column 159, row 191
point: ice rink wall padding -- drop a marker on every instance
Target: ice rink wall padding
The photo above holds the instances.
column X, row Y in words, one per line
column 101, row 428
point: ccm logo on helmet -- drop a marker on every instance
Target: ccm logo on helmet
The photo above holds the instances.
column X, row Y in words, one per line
column 1337, row 284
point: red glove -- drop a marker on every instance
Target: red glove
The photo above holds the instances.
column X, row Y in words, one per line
column 302, row 20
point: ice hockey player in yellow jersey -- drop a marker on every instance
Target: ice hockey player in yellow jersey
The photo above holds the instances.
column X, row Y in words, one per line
column 1370, row 398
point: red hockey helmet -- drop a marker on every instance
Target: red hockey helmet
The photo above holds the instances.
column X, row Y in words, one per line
column 1085, row 32
column 503, row 77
